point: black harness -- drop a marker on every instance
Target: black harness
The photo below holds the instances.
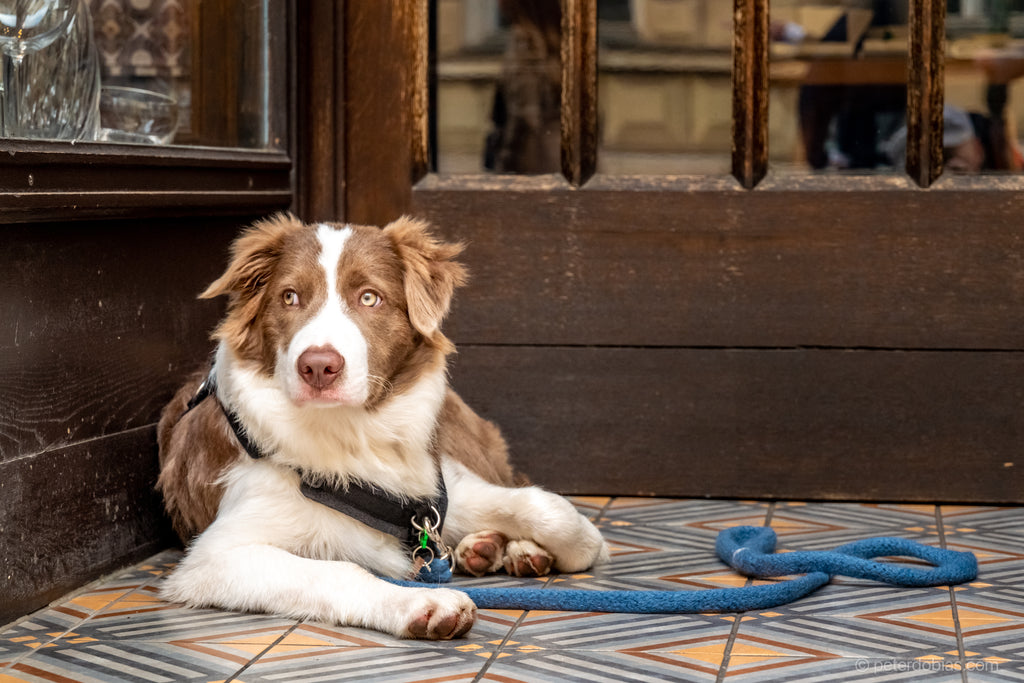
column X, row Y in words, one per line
column 416, row 523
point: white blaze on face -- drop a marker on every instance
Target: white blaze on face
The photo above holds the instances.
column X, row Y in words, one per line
column 329, row 327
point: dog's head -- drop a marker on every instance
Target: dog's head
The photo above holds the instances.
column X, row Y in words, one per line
column 337, row 314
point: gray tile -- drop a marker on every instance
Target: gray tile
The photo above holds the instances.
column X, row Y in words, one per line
column 379, row 664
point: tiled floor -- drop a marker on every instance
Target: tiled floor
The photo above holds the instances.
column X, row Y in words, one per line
column 119, row 630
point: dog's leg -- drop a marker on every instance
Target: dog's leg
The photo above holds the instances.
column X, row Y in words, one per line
column 264, row 578
column 527, row 531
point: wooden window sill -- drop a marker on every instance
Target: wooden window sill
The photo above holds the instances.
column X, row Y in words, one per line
column 44, row 180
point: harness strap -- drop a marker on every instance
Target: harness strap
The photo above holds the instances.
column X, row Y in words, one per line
column 416, row 523
column 381, row 510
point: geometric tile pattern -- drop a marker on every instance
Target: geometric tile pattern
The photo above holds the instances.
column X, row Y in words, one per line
column 118, row 629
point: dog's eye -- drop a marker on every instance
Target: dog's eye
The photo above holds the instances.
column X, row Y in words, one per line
column 290, row 297
column 370, row 298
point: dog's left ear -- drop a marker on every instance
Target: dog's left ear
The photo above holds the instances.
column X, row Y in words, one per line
column 431, row 276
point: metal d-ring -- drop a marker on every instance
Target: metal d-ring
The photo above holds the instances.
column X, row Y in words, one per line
column 416, row 555
column 430, row 531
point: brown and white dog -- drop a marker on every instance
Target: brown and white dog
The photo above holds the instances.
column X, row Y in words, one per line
column 331, row 360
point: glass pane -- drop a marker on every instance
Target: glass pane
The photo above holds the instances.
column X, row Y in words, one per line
column 498, row 86
column 152, row 72
column 665, row 86
column 984, row 112
column 838, row 85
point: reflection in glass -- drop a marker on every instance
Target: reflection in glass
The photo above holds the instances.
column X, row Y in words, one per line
column 146, row 56
column 984, row 101
column 498, row 86
column 839, row 84
column 141, row 71
column 665, row 87
column 50, row 80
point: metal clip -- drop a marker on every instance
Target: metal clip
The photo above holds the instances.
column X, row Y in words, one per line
column 430, row 530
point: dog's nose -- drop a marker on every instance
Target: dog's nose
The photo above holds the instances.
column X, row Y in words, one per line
column 319, row 366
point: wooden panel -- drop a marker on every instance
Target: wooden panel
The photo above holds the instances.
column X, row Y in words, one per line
column 750, row 91
column 798, row 424
column 320, row 128
column 100, row 324
column 925, row 83
column 416, row 91
column 818, row 263
column 382, row 49
column 579, row 90
column 74, row 514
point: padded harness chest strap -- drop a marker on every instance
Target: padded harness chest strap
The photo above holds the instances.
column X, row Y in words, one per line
column 402, row 518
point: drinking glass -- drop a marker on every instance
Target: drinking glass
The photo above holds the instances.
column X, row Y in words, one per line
column 50, row 78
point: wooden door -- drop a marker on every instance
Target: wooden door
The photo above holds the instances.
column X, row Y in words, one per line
column 750, row 334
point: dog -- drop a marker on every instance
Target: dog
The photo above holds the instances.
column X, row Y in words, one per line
column 329, row 382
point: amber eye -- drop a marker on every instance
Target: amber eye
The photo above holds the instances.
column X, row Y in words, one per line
column 370, row 298
column 290, row 297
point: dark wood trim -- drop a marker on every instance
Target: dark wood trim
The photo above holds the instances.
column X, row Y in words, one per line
column 750, row 92
column 320, row 128
column 417, row 39
column 380, row 66
column 925, row 90
column 838, row 262
column 579, row 90
column 57, row 180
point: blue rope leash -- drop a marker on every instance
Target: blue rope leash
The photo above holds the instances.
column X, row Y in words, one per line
column 750, row 551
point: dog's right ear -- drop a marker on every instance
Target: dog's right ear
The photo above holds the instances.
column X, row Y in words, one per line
column 253, row 257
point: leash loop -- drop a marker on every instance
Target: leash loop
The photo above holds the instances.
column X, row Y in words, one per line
column 751, row 552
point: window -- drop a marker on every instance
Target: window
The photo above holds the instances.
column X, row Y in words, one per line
column 142, row 71
column 836, row 101
column 143, row 106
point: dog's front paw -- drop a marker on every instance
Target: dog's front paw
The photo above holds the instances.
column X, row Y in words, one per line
column 439, row 614
column 481, row 553
column 587, row 549
column 526, row 558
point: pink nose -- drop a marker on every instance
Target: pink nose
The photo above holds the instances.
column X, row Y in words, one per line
column 319, row 366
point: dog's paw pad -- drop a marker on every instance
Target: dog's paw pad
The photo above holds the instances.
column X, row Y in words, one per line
column 481, row 552
column 526, row 558
column 446, row 615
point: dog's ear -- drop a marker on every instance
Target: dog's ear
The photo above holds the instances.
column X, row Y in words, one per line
column 431, row 276
column 254, row 255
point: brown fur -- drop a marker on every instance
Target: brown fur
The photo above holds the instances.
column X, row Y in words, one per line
column 194, row 450
column 475, row 442
column 413, row 273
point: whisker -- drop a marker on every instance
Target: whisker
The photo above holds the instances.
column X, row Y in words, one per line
column 385, row 384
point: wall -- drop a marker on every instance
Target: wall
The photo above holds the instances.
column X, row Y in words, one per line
column 98, row 326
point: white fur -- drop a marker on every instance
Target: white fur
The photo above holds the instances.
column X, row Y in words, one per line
column 520, row 513
column 272, row 550
column 331, row 327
